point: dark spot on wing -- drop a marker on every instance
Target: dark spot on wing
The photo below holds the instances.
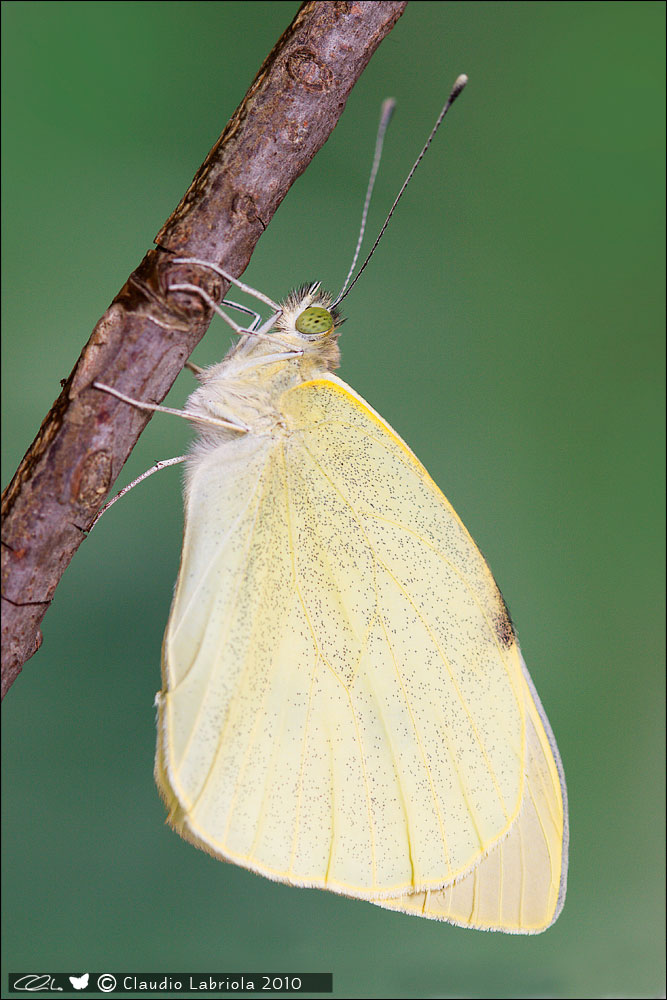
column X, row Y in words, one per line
column 502, row 624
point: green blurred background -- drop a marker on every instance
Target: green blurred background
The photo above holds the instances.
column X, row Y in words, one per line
column 510, row 328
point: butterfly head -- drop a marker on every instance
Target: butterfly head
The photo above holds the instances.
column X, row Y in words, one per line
column 310, row 321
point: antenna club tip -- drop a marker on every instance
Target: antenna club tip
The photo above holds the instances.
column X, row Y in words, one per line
column 387, row 110
column 459, row 84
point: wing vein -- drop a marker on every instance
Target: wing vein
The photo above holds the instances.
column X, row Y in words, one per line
column 421, row 748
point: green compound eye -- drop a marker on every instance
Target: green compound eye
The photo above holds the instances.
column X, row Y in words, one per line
column 314, row 320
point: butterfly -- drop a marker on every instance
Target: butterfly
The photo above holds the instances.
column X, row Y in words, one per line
column 80, row 982
column 344, row 701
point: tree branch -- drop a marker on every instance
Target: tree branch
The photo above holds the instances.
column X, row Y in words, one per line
column 143, row 339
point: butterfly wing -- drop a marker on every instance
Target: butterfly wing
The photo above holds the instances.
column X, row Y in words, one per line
column 519, row 886
column 345, row 703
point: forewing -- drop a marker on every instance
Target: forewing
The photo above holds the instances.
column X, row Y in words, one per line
column 411, row 627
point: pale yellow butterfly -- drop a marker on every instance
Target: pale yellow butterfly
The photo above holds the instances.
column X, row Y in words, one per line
column 344, row 702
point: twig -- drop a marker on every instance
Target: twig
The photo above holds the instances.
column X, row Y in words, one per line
column 144, row 338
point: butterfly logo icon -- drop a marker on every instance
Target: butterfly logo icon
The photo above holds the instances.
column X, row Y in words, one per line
column 80, row 982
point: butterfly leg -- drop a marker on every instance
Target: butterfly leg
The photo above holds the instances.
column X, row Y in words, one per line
column 234, row 281
column 195, row 369
column 263, row 331
column 265, row 359
column 163, row 464
column 248, row 312
column 199, row 418
column 269, row 359
column 242, row 331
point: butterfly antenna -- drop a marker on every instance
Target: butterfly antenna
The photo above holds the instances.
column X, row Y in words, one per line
column 386, row 112
column 345, row 290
